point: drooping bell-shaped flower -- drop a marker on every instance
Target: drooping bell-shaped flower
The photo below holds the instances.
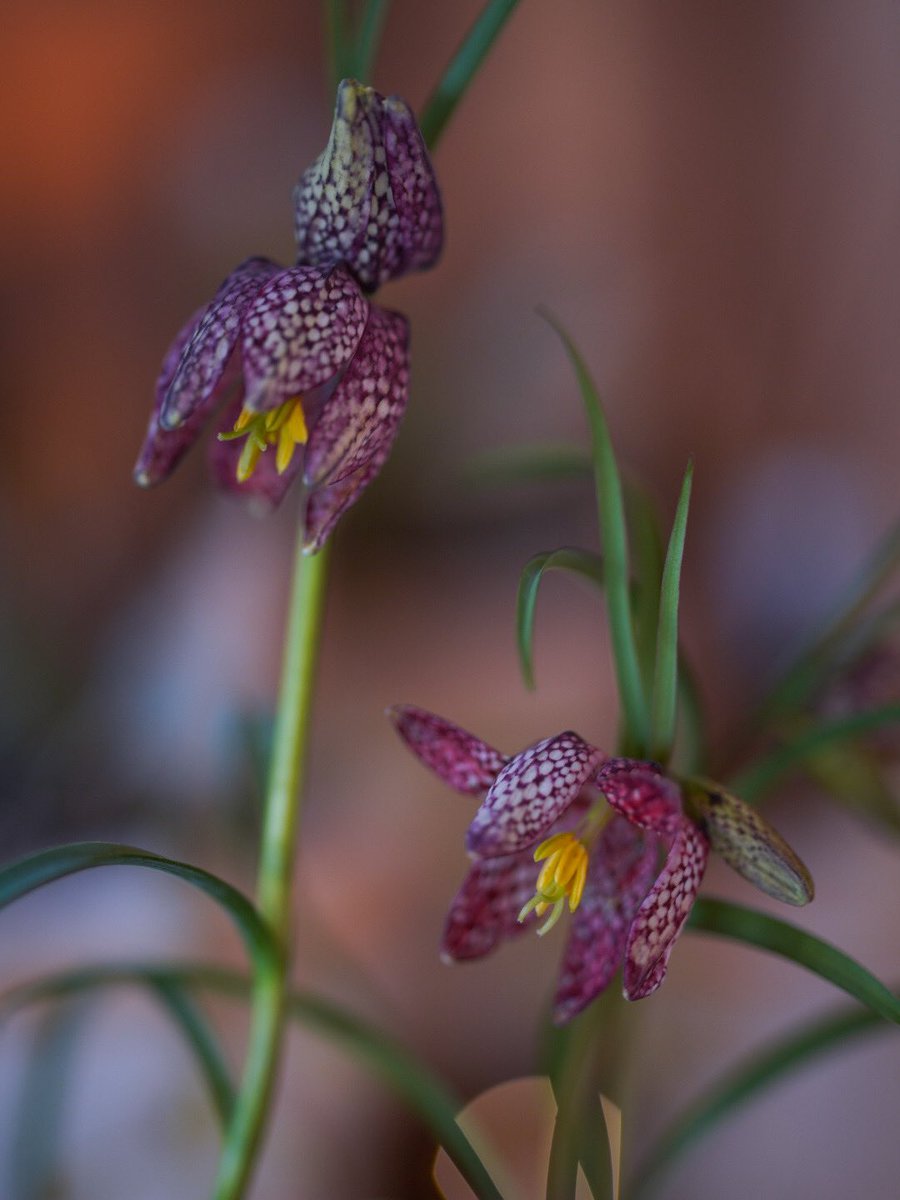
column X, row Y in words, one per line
column 602, row 825
column 301, row 374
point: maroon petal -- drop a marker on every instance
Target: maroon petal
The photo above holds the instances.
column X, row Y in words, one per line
column 370, row 200
column 486, row 908
column 643, row 795
column 462, row 760
column 621, row 870
column 213, row 338
column 301, row 329
column 531, row 791
column 665, row 910
column 366, row 407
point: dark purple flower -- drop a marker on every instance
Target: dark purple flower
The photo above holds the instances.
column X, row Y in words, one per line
column 602, row 825
column 303, row 374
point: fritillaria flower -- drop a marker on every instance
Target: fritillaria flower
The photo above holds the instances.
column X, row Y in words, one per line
column 600, row 826
column 299, row 372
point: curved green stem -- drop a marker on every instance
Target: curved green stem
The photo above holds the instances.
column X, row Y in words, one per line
column 277, row 852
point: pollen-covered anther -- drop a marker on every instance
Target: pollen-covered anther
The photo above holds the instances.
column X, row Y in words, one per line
column 561, row 878
column 283, row 427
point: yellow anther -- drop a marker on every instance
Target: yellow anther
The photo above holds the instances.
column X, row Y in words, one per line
column 284, row 427
column 562, row 876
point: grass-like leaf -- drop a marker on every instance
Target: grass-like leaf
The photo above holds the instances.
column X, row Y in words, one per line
column 534, row 463
column 27, row 874
column 758, row 1071
column 758, row 779
column 425, row 1094
column 579, row 562
column 647, row 544
column 369, row 38
column 463, row 67
column 611, row 515
column 665, row 680
column 755, row 928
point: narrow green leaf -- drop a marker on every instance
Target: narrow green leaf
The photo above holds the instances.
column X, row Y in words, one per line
column 691, row 751
column 758, row 779
column 39, row 1112
column 541, row 463
column 425, row 1094
column 763, row 1067
column 28, row 874
column 611, row 515
column 462, row 68
column 579, row 562
column 202, row 1042
column 579, row 1132
column 340, row 52
column 367, row 43
column 646, row 541
column 665, row 681
column 768, row 933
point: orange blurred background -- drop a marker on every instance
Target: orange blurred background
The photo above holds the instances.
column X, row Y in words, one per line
column 708, row 196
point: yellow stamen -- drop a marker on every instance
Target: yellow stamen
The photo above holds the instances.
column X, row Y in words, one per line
column 562, row 876
column 284, row 427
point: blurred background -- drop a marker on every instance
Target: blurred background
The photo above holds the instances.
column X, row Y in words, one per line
column 709, row 198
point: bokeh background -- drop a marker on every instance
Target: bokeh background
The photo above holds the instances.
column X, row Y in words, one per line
column 709, row 197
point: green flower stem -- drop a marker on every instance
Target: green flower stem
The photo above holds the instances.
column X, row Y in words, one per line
column 276, row 869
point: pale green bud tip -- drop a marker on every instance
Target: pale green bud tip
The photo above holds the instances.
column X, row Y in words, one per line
column 749, row 844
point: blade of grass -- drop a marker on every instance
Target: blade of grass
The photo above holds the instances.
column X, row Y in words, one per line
column 462, row 68
column 530, row 464
column 804, row 949
column 369, row 38
column 611, row 515
column 425, row 1094
column 745, row 1081
column 665, row 680
column 579, row 562
column 337, row 30
column 646, row 540
column 753, row 783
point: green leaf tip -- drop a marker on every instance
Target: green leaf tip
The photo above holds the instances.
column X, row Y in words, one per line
column 578, row 562
column 749, row 844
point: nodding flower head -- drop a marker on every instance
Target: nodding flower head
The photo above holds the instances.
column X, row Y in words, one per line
column 602, row 826
column 300, row 373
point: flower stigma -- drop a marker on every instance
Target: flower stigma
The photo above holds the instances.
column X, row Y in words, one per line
column 283, row 427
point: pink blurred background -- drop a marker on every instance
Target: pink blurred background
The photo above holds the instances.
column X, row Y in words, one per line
column 709, row 197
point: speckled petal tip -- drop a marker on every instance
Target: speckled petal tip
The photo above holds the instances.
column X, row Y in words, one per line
column 462, row 760
column 365, row 410
column 531, row 791
column 664, row 912
column 621, row 870
column 212, row 341
column 486, row 908
column 302, row 327
column 370, row 200
column 642, row 794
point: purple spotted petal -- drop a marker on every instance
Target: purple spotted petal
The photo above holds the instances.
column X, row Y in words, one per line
column 486, row 908
column 462, row 760
column 622, row 867
column 366, row 407
column 302, row 328
column 163, row 449
column 664, row 912
column 643, row 795
column 370, row 200
column 212, row 341
column 531, row 791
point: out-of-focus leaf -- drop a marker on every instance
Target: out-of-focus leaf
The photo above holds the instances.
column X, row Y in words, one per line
column 611, row 515
column 541, row 463
column 665, row 679
column 463, row 67
column 370, row 30
column 647, row 542
column 855, row 778
column 759, row 929
column 765, row 1066
column 579, row 562
column 425, row 1094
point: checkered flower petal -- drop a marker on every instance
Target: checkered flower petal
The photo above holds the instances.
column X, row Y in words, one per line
column 462, row 760
column 530, row 793
column 205, row 355
column 363, row 413
column 486, row 908
column 622, row 867
column 301, row 329
column 663, row 913
column 642, row 794
column 370, row 201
